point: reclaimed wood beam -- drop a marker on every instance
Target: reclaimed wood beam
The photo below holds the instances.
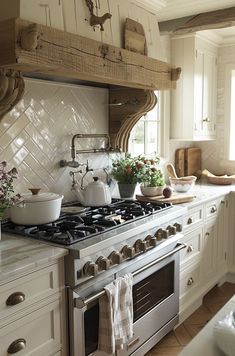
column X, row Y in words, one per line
column 38, row 49
column 204, row 21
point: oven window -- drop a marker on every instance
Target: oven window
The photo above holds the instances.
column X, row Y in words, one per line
column 91, row 322
column 153, row 290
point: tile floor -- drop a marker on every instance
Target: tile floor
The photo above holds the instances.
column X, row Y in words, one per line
column 173, row 343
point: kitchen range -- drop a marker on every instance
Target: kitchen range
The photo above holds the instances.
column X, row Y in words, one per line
column 105, row 243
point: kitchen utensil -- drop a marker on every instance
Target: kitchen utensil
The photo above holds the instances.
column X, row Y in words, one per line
column 94, row 194
column 182, row 184
column 220, row 180
column 174, row 199
column 39, row 208
column 171, row 170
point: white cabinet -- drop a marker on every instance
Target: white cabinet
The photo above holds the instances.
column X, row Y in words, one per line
column 32, row 313
column 204, row 262
column 193, row 103
column 209, row 251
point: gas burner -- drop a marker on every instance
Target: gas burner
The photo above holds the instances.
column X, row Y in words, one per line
column 69, row 229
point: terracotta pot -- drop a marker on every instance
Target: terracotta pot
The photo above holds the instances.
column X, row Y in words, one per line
column 151, row 191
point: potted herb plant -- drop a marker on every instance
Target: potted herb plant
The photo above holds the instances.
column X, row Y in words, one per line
column 128, row 171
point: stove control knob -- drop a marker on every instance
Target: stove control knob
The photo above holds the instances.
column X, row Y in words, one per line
column 151, row 240
column 172, row 229
column 128, row 251
column 115, row 257
column 161, row 234
column 103, row 263
column 178, row 226
column 90, row 269
column 140, row 246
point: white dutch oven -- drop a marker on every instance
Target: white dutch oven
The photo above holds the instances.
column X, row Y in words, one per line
column 39, row 208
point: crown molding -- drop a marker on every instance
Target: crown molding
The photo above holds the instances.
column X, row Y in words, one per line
column 151, row 5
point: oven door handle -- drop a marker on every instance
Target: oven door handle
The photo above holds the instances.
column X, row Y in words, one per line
column 82, row 302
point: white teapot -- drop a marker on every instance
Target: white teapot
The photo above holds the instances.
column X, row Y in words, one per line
column 95, row 193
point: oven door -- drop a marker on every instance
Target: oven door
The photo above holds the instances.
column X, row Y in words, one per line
column 155, row 304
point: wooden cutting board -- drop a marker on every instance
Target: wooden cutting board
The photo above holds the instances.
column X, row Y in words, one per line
column 134, row 37
column 193, row 157
column 179, row 162
column 174, row 199
column 188, row 161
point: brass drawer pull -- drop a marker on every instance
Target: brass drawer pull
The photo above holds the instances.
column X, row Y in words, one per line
column 16, row 346
column 190, row 249
column 207, row 234
column 190, row 221
column 213, row 209
column 15, row 298
column 190, row 281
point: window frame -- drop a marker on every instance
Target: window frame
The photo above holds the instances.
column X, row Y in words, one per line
column 227, row 110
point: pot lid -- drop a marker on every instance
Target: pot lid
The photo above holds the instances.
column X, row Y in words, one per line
column 35, row 196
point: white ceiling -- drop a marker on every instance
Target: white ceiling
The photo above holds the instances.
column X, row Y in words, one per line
column 171, row 9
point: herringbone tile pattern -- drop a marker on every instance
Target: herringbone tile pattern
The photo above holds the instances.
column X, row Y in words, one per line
column 173, row 343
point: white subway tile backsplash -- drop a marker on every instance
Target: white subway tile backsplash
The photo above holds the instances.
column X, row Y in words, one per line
column 37, row 133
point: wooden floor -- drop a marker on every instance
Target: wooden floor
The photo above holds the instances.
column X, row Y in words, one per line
column 173, row 343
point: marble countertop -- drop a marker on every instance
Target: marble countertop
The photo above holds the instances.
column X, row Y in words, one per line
column 204, row 192
column 19, row 255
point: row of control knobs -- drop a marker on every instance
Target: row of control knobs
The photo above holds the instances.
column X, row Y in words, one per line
column 140, row 246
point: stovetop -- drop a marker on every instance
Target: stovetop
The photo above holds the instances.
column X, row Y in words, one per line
column 72, row 228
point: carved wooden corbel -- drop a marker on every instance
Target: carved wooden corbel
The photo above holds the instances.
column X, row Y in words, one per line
column 175, row 73
column 127, row 106
column 97, row 20
column 12, row 88
column 29, row 37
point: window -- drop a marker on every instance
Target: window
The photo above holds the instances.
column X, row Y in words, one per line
column 232, row 118
column 230, row 112
column 145, row 137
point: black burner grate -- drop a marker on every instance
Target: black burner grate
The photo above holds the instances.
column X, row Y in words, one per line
column 69, row 229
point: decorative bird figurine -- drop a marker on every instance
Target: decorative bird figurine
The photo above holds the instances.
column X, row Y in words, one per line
column 97, row 20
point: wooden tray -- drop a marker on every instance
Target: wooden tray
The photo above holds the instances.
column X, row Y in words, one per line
column 176, row 198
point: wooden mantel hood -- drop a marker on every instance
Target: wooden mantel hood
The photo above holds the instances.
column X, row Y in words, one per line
column 39, row 49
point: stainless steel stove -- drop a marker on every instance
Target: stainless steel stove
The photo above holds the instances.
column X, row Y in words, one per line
column 73, row 227
column 105, row 243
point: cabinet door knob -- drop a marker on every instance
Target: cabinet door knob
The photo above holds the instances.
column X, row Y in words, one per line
column 213, row 209
column 190, row 221
column 207, row 234
column 16, row 346
column 15, row 298
column 190, row 249
column 190, row 281
column 206, row 119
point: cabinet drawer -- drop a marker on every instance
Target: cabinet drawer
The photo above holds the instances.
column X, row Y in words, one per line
column 194, row 245
column 36, row 334
column 189, row 279
column 194, row 216
column 26, row 291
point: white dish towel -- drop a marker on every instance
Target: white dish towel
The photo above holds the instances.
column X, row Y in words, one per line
column 116, row 315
